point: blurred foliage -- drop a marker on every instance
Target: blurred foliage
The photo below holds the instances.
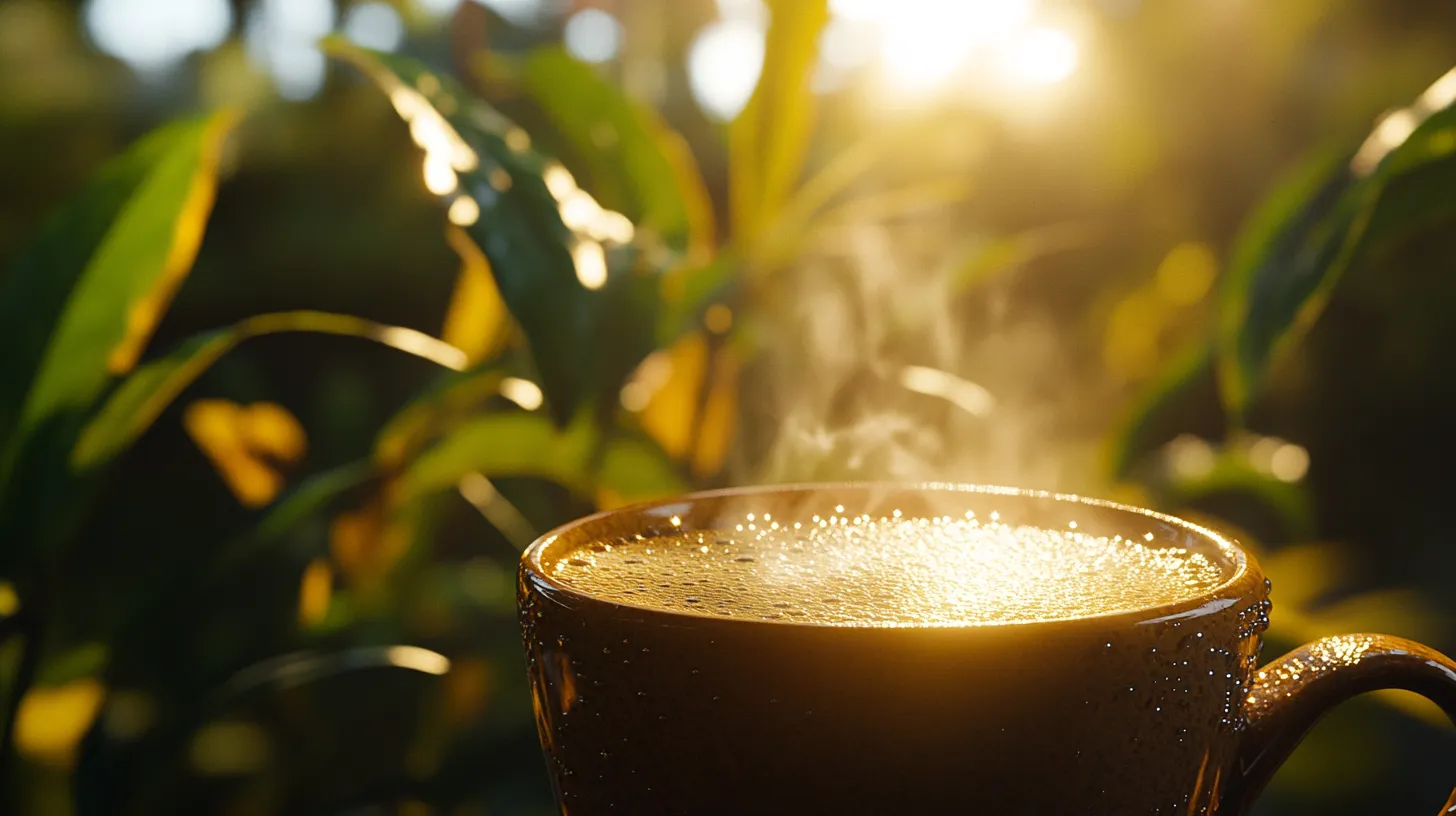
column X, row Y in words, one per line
column 266, row 567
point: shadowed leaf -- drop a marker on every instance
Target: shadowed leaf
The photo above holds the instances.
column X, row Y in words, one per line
column 1322, row 222
column 634, row 162
column 477, row 159
column 136, row 404
column 80, row 304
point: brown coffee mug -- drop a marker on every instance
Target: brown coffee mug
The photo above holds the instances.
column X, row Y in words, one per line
column 1154, row 711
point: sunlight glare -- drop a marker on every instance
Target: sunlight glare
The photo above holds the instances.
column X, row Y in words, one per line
column 1042, row 56
column 440, row 177
column 924, row 41
column 283, row 36
column 522, row 392
column 464, row 211
column 375, row 25
column 724, row 62
column 591, row 264
column 152, row 35
column 592, row 35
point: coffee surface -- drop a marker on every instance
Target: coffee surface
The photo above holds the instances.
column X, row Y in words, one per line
column 839, row 570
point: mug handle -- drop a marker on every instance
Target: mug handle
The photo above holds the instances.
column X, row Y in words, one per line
column 1291, row 694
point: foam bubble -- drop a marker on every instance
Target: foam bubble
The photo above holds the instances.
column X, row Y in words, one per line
column 839, row 570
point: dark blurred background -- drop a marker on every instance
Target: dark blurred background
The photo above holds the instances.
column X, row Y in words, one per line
column 1104, row 155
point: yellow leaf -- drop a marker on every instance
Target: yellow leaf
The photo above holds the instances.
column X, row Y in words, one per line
column 315, row 591
column 246, row 445
column 269, row 429
column 51, row 721
column 670, row 412
column 720, row 415
column 187, row 234
column 9, row 599
column 364, row 544
column 477, row 321
column 229, row 749
column 768, row 141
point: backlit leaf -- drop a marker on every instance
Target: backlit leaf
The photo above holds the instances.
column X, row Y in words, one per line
column 542, row 266
column 634, row 162
column 477, row 321
column 1324, row 221
column 671, row 414
column 142, row 397
column 247, row 444
column 720, row 416
column 519, row 444
column 769, row 140
column 52, row 720
column 79, row 305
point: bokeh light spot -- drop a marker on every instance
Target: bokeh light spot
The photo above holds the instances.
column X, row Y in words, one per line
column 375, row 25
column 592, row 35
column 724, row 62
column 152, row 35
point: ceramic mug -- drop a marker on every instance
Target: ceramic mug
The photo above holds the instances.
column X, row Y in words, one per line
column 1154, row 711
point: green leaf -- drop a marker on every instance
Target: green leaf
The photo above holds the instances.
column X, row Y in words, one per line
column 688, row 292
column 1322, row 222
column 519, row 444
column 769, row 140
column 137, row 403
column 633, row 161
column 443, row 406
column 489, row 167
column 80, row 304
column 309, row 500
column 1183, row 399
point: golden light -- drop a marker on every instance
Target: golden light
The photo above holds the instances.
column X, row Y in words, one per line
column 653, row 373
column 464, row 212
column 522, row 392
column 558, row 181
column 964, row 394
column 591, row 264
column 1191, row 457
column 422, row 345
column 579, row 210
column 923, row 42
column 1042, row 56
column 1398, row 125
column 418, row 659
column 440, row 177
column 581, row 213
column 1289, row 463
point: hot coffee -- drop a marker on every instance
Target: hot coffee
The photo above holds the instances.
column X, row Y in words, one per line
column 881, row 649
column 842, row 570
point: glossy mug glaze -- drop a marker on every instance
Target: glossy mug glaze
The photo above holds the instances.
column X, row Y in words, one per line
column 1153, row 711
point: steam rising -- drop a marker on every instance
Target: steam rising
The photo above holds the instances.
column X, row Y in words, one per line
column 872, row 375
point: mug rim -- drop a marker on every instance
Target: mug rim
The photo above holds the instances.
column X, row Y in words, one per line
column 1226, row 593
